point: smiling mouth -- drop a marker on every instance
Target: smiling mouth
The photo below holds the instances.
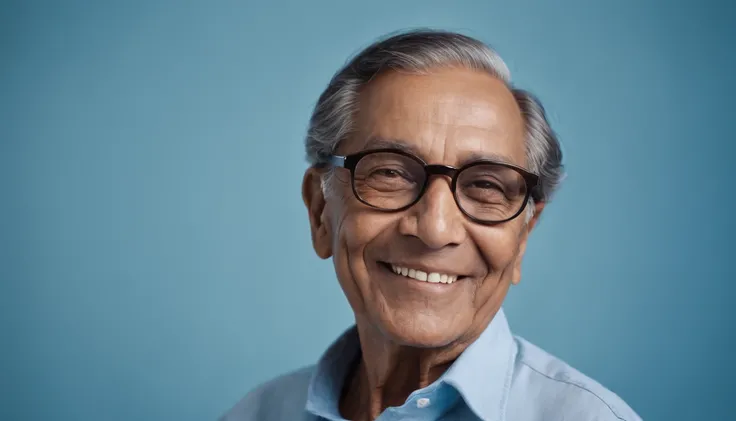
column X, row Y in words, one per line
column 420, row 275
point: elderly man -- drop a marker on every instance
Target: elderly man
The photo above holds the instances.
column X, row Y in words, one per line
column 428, row 173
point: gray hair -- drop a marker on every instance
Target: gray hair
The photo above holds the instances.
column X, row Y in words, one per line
column 418, row 52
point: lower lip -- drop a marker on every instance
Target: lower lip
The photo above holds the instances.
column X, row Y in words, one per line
column 432, row 286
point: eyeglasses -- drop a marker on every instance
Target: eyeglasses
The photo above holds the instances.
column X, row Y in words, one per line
column 487, row 192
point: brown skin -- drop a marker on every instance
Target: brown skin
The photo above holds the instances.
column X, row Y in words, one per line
column 411, row 331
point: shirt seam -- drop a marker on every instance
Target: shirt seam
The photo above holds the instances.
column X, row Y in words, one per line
column 579, row 386
column 509, row 378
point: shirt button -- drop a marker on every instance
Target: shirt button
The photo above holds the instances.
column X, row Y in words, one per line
column 422, row 403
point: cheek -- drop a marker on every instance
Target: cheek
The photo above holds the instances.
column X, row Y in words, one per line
column 500, row 244
column 498, row 247
column 353, row 225
column 358, row 230
column 355, row 230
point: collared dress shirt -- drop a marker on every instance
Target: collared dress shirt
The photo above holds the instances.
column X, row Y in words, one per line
column 499, row 377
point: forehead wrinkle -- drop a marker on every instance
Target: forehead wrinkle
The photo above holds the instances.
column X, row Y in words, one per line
column 436, row 117
column 455, row 112
column 446, row 124
column 430, row 137
column 377, row 142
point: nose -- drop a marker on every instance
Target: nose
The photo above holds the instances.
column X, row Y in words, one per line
column 435, row 219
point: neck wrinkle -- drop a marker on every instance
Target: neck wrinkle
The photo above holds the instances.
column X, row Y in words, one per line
column 388, row 373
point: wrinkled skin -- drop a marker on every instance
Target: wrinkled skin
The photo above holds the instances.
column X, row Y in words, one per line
column 411, row 331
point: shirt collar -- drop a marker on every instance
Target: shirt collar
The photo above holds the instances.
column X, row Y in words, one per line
column 328, row 379
column 481, row 374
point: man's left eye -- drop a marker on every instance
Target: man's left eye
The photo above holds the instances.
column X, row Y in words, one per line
column 485, row 184
column 388, row 172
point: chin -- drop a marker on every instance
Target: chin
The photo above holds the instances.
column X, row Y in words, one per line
column 421, row 330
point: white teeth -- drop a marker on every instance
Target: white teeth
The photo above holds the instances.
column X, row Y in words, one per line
column 432, row 277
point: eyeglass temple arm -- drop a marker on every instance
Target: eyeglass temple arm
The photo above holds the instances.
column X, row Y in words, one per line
column 337, row 161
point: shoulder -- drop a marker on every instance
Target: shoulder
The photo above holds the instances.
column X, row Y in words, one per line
column 284, row 397
column 560, row 390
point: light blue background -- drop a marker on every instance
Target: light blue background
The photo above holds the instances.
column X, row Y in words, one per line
column 156, row 261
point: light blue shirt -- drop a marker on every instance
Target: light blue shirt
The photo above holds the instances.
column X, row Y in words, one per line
column 498, row 377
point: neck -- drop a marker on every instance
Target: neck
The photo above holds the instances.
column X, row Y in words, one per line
column 388, row 373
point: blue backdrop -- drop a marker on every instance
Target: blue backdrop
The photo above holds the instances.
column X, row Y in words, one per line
column 155, row 253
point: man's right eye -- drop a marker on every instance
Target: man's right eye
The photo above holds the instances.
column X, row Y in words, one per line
column 387, row 172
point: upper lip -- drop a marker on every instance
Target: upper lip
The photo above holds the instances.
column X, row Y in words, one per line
column 425, row 268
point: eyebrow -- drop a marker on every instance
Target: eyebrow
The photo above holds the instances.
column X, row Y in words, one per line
column 386, row 143
column 404, row 146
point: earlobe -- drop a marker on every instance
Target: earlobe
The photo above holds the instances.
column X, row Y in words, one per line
column 314, row 200
column 526, row 230
column 538, row 208
column 516, row 275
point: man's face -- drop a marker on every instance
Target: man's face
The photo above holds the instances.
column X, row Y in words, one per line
column 449, row 117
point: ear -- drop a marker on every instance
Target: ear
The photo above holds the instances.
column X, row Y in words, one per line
column 526, row 230
column 314, row 200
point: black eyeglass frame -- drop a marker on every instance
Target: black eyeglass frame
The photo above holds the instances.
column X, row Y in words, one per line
column 350, row 162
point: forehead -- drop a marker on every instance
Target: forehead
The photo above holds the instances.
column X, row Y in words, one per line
column 448, row 116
